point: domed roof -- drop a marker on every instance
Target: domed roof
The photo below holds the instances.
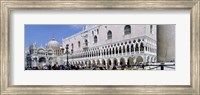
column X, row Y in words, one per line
column 53, row 44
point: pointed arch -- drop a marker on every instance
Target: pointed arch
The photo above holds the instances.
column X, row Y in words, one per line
column 115, row 62
column 95, row 39
column 109, row 62
column 120, row 49
column 124, row 50
column 98, row 62
column 127, row 29
column 139, row 59
column 103, row 62
column 127, row 48
column 136, row 47
column 130, row 61
column 113, row 50
column 122, row 61
column 86, row 42
column 132, row 48
column 116, row 50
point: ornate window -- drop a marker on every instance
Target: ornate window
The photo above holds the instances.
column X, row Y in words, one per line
column 127, row 29
column 109, row 35
column 79, row 44
column 72, row 45
column 95, row 39
column 86, row 42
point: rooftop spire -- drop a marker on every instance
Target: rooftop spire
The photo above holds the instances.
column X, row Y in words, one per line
column 53, row 37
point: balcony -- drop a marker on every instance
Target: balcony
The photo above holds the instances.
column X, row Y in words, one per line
column 85, row 47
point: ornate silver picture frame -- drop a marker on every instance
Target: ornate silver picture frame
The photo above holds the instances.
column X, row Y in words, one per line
column 7, row 6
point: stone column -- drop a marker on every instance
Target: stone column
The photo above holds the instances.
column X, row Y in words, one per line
column 96, row 62
column 130, row 49
column 108, row 51
column 139, row 48
column 149, row 49
column 100, row 63
column 112, row 64
column 118, row 62
column 118, row 51
column 116, row 48
column 102, row 53
column 126, row 50
column 106, row 64
column 85, row 63
column 126, row 63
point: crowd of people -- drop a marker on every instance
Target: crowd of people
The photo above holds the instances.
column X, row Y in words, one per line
column 84, row 67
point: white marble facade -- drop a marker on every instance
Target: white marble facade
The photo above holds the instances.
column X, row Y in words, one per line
column 113, row 45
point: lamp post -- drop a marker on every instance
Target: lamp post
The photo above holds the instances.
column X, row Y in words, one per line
column 67, row 47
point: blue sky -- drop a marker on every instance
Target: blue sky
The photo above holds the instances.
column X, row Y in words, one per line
column 42, row 34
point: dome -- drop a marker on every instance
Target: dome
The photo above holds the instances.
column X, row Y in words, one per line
column 53, row 44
